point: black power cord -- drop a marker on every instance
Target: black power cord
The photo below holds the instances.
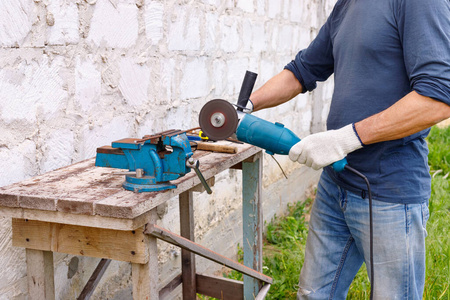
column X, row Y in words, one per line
column 347, row 167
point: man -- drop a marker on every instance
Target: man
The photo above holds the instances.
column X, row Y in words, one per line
column 391, row 62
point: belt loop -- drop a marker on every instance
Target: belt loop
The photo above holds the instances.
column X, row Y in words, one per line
column 363, row 194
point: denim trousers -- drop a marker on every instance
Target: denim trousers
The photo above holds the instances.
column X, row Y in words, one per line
column 338, row 244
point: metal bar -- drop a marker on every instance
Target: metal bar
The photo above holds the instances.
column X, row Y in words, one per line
column 169, row 132
column 187, row 226
column 252, row 220
column 263, row 292
column 179, row 241
column 94, row 280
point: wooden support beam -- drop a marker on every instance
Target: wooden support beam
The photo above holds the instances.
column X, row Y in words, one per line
column 219, row 287
column 40, row 275
column 96, row 276
column 187, row 226
column 145, row 276
column 79, row 240
column 252, row 221
column 170, row 287
column 179, row 241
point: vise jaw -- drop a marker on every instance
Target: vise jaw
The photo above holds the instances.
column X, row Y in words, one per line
column 152, row 161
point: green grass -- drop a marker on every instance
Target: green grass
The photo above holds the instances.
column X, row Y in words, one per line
column 439, row 145
column 437, row 284
column 283, row 250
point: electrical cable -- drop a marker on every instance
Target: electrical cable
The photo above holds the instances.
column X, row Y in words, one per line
column 372, row 278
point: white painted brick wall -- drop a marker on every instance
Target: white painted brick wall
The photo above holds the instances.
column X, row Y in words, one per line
column 79, row 74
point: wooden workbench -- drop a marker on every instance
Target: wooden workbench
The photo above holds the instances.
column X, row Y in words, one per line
column 83, row 210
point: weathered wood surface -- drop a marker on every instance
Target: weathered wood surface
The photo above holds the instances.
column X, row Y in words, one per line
column 220, row 287
column 131, row 246
column 86, row 190
column 145, row 276
column 41, row 284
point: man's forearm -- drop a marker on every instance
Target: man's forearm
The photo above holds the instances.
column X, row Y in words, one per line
column 409, row 115
column 279, row 89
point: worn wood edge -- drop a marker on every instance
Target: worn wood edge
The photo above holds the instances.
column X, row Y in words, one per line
column 71, row 219
column 179, row 241
column 220, row 287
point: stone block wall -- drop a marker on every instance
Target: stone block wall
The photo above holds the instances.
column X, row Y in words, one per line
column 78, row 74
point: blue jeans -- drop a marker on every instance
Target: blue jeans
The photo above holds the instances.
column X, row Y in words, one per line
column 338, row 244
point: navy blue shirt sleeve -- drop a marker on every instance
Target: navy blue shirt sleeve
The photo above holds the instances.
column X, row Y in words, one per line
column 424, row 30
column 315, row 63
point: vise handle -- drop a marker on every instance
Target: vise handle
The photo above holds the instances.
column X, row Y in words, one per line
column 194, row 164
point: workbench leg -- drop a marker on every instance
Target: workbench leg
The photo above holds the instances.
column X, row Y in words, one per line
column 41, row 282
column 252, row 222
column 145, row 276
column 187, row 258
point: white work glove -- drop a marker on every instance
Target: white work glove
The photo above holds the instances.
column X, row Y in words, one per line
column 323, row 149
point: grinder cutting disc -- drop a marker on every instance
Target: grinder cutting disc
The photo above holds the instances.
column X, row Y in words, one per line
column 218, row 119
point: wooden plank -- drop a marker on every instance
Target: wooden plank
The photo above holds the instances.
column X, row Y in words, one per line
column 80, row 240
column 186, row 204
column 179, row 241
column 145, row 276
column 75, row 219
column 219, row 287
column 170, row 287
column 40, row 276
column 93, row 281
column 215, row 147
column 252, row 222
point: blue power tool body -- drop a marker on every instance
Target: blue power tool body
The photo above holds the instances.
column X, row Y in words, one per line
column 273, row 137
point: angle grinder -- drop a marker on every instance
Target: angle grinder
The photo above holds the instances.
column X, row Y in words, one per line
column 220, row 119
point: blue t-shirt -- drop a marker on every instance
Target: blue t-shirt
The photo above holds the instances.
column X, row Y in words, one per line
column 379, row 51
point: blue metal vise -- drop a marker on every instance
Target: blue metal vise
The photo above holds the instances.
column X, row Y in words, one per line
column 152, row 161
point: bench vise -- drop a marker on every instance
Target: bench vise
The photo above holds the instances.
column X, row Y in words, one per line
column 152, row 161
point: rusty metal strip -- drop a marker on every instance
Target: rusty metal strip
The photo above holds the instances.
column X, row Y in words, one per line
column 179, row 241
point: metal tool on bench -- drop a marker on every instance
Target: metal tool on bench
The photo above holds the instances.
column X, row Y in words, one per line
column 152, row 161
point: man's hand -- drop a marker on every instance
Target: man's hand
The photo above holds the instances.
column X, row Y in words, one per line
column 322, row 149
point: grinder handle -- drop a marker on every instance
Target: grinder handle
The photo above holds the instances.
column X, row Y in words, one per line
column 340, row 165
column 246, row 89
